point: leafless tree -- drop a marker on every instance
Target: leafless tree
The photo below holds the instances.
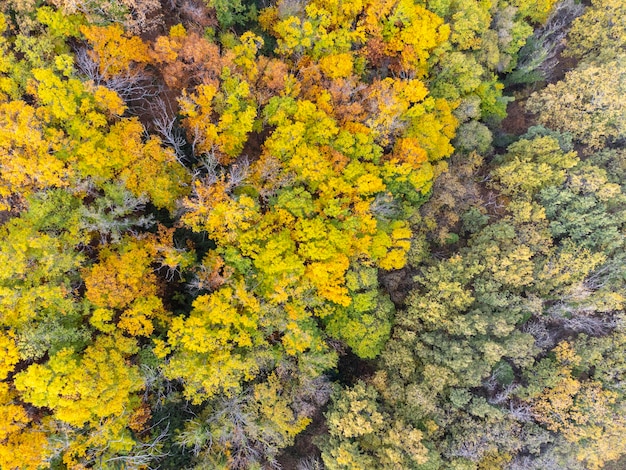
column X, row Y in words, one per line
column 233, row 425
column 238, row 172
column 195, row 437
column 552, row 35
column 166, row 124
column 143, row 454
column 384, row 206
column 273, row 177
column 287, row 8
column 598, row 279
column 208, row 167
column 541, row 53
column 591, row 325
column 493, row 202
column 521, row 411
column 469, row 450
column 310, row 463
column 539, row 331
column 242, row 434
column 546, row 461
column 522, row 463
column 134, row 85
column 111, row 218
column 193, row 12
column 156, row 384
column 503, row 395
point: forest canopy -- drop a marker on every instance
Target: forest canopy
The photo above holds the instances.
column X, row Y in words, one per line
column 312, row 234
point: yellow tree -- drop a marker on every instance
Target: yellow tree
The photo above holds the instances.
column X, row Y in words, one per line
column 589, row 103
column 95, row 391
column 600, row 33
column 114, row 51
column 584, row 412
column 23, row 441
column 123, row 286
column 213, row 348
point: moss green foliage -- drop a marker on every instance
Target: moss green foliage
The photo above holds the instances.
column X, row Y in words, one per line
column 211, row 249
column 504, row 340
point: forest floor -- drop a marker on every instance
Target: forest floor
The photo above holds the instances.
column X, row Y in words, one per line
column 517, row 120
column 304, row 446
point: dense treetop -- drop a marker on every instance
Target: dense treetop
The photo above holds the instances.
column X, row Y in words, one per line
column 224, row 224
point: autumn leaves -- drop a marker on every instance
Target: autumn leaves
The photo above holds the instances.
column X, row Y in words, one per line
column 298, row 223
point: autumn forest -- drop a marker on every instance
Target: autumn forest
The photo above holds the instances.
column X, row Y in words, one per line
column 313, row 234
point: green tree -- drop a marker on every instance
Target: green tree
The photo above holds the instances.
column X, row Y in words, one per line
column 363, row 435
column 588, row 103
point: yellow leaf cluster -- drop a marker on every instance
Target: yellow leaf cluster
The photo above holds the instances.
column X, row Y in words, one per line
column 9, row 354
column 120, row 278
column 22, row 444
column 113, row 50
column 83, row 390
